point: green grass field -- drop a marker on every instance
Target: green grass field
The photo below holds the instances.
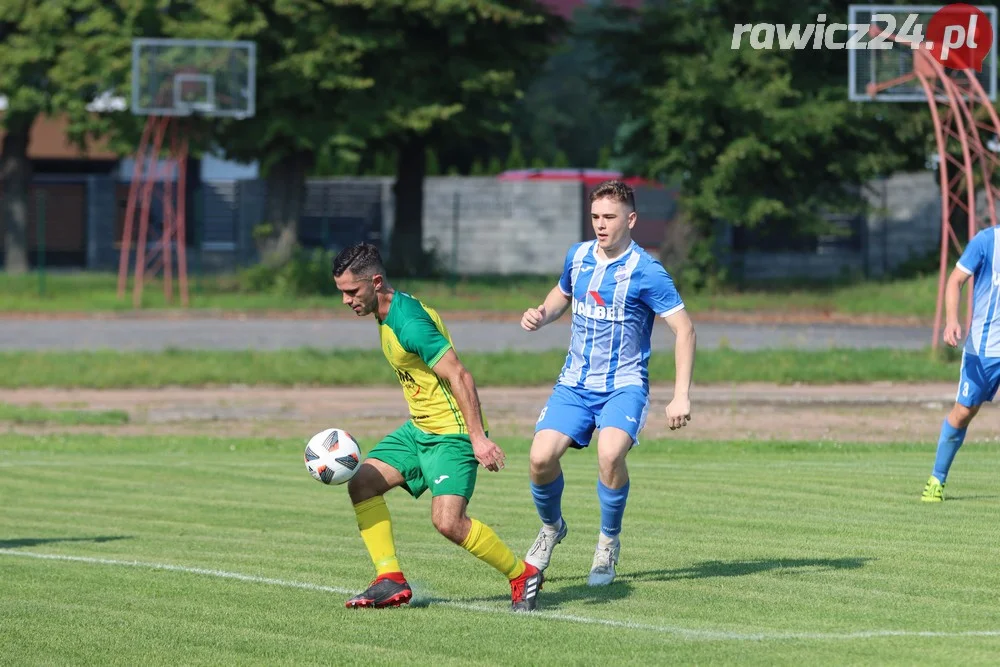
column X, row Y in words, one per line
column 190, row 368
column 96, row 292
column 166, row 551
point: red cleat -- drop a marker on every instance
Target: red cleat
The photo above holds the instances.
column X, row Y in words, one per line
column 524, row 589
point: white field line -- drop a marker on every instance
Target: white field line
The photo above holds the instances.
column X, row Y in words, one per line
column 683, row 633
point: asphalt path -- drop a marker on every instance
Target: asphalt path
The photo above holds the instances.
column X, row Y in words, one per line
column 472, row 335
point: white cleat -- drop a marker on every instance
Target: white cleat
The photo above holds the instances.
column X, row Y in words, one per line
column 541, row 551
column 602, row 570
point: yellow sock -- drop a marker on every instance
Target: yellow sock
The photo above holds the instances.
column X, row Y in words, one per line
column 376, row 531
column 484, row 544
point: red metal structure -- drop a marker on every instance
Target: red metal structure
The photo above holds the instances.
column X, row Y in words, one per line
column 161, row 136
column 966, row 127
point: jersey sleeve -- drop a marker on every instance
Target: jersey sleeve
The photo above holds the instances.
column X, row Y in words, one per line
column 421, row 337
column 974, row 254
column 656, row 290
column 566, row 279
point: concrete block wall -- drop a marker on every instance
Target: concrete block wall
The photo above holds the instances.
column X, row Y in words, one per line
column 501, row 227
column 905, row 221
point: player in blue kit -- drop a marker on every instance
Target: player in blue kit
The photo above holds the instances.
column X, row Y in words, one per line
column 980, row 374
column 616, row 290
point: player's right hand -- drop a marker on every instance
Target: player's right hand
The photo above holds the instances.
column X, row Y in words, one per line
column 489, row 454
column 533, row 318
column 952, row 334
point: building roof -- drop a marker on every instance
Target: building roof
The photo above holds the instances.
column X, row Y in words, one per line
column 49, row 141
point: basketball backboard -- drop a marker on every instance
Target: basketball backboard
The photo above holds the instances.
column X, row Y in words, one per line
column 877, row 60
column 183, row 77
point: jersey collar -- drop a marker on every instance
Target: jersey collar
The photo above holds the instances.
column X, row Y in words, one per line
column 625, row 253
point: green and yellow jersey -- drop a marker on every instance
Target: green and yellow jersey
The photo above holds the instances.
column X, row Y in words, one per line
column 414, row 339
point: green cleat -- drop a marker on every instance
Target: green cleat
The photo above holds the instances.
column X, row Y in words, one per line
column 933, row 492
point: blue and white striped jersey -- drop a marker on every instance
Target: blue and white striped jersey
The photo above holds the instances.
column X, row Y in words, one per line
column 980, row 261
column 614, row 304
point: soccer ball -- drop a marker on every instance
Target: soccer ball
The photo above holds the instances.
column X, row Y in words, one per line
column 332, row 456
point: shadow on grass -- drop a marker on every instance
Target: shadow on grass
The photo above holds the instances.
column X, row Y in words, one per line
column 558, row 591
column 38, row 541
column 581, row 592
column 550, row 598
column 741, row 568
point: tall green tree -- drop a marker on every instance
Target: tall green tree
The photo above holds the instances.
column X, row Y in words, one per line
column 758, row 138
column 443, row 70
column 562, row 119
column 58, row 56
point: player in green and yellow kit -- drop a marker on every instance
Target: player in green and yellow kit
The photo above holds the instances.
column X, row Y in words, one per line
column 439, row 448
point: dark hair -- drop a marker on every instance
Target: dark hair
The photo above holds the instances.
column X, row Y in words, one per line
column 615, row 190
column 362, row 259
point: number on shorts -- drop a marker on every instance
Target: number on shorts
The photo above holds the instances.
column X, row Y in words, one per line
column 542, row 416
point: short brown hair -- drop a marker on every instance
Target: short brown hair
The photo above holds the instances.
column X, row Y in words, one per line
column 615, row 190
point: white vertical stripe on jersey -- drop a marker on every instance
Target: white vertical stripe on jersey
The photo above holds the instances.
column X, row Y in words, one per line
column 578, row 337
column 621, row 295
column 629, row 349
column 981, row 306
column 991, row 344
column 600, row 270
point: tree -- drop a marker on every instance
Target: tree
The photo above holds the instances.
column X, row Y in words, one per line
column 58, row 56
column 307, row 67
column 515, row 159
column 562, row 111
column 754, row 137
column 443, row 70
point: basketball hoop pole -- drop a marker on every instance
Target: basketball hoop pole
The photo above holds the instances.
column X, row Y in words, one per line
column 130, row 209
column 961, row 111
column 146, row 176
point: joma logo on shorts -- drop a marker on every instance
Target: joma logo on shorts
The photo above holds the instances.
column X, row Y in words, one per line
column 996, row 279
column 609, row 313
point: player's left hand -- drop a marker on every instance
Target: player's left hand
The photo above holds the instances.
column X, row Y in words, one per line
column 678, row 412
column 489, row 454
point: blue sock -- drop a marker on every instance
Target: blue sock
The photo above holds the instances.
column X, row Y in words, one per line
column 548, row 500
column 612, row 507
column 948, row 443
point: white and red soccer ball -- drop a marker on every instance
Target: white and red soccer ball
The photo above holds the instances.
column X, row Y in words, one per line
column 332, row 456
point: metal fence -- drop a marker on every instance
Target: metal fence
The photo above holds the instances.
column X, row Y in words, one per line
column 472, row 225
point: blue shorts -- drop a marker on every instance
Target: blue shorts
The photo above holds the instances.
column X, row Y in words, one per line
column 576, row 412
column 979, row 380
